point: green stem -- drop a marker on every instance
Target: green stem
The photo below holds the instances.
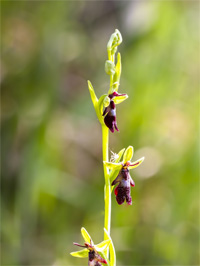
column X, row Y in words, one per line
column 107, row 191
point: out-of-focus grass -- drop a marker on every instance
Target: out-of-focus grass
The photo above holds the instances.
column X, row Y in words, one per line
column 52, row 177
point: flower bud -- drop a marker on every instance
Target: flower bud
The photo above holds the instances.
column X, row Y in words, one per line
column 110, row 67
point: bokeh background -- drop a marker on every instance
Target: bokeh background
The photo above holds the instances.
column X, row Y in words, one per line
column 52, row 176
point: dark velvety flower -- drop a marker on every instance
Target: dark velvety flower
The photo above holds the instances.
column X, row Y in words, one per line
column 123, row 179
column 123, row 191
column 110, row 111
column 110, row 117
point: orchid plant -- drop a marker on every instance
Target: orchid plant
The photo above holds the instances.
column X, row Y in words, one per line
column 116, row 171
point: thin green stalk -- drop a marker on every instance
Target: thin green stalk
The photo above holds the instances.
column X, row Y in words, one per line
column 107, row 191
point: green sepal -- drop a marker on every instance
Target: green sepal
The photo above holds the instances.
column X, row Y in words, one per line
column 112, row 250
column 102, row 246
column 98, row 104
column 120, row 99
column 128, row 154
column 85, row 235
column 136, row 163
column 80, row 254
column 112, row 166
column 120, row 153
column 114, row 172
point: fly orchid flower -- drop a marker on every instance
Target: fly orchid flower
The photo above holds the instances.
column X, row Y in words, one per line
column 94, row 258
column 110, row 111
column 91, row 251
column 123, row 179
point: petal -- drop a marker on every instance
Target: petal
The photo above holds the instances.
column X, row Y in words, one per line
column 136, row 163
column 120, row 98
column 113, row 165
column 102, row 246
column 128, row 154
column 85, row 235
column 77, row 244
column 80, row 254
column 112, row 250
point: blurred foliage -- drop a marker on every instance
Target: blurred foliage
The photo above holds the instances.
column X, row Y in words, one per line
column 52, row 175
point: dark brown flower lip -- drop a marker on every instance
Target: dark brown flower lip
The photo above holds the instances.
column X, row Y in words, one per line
column 110, row 117
column 123, row 189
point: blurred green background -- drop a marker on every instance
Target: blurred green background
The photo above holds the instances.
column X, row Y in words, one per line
column 52, row 176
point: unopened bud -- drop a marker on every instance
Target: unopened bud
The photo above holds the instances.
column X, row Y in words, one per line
column 110, row 67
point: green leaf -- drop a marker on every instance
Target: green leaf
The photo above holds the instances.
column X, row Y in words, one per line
column 85, row 235
column 112, row 250
column 136, row 163
column 80, row 254
column 102, row 246
column 128, row 154
column 120, row 99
